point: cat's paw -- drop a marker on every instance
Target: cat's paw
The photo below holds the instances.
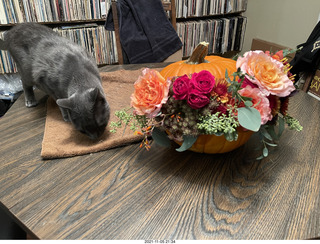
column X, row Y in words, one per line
column 31, row 103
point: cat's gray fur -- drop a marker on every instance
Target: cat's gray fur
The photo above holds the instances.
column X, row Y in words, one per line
column 61, row 69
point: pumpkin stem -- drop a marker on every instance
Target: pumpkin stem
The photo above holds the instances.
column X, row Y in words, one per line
column 198, row 54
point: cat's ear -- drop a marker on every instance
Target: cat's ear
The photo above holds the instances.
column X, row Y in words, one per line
column 64, row 103
column 93, row 93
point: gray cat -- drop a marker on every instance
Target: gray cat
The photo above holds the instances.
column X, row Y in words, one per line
column 61, row 69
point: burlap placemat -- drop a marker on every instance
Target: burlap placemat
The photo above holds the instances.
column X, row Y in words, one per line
column 62, row 140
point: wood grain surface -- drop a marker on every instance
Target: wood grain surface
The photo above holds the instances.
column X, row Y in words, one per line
column 131, row 193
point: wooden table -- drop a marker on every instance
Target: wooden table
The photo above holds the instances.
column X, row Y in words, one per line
column 131, row 193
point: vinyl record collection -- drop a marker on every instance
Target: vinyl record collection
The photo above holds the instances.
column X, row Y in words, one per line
column 18, row 11
column 199, row 8
column 223, row 34
column 100, row 43
column 7, row 65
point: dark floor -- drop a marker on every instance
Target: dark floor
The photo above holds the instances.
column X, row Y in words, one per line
column 9, row 230
column 4, row 106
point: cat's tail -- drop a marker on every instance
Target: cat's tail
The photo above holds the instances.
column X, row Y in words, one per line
column 3, row 45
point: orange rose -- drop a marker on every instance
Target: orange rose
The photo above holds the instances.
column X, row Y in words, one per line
column 151, row 91
column 277, row 56
column 266, row 72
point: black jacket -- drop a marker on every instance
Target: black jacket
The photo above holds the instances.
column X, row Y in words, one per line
column 307, row 60
column 146, row 34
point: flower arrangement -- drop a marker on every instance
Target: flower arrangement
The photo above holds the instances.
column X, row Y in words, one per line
column 254, row 98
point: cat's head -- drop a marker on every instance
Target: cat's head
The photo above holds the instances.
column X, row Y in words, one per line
column 88, row 111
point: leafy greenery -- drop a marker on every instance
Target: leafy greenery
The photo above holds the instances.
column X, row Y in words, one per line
column 161, row 137
column 188, row 141
column 249, row 118
column 293, row 123
column 126, row 119
column 218, row 124
column 270, row 134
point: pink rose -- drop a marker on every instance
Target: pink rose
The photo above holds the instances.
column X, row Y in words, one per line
column 260, row 102
column 266, row 72
column 197, row 100
column 181, row 88
column 203, row 81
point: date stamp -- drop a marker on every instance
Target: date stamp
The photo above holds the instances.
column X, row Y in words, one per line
column 159, row 241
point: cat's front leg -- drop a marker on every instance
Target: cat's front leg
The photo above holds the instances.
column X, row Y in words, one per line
column 29, row 97
column 64, row 113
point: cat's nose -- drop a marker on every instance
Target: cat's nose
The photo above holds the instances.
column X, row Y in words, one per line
column 93, row 137
column 90, row 135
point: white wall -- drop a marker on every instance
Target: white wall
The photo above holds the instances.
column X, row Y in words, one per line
column 284, row 22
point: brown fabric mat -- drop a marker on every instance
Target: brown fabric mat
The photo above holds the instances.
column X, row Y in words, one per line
column 62, row 140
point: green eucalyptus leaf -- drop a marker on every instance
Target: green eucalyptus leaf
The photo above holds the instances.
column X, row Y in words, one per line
column 235, row 57
column 235, row 77
column 260, row 157
column 271, row 144
column 248, row 103
column 188, row 141
column 265, row 133
column 256, row 105
column 272, row 132
column 249, row 118
column 265, row 152
column 161, row 137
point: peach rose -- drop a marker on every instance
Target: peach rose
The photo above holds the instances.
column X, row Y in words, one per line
column 266, row 72
column 151, row 91
column 260, row 102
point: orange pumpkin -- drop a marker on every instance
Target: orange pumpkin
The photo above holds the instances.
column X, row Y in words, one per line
column 217, row 67
column 199, row 61
column 218, row 144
